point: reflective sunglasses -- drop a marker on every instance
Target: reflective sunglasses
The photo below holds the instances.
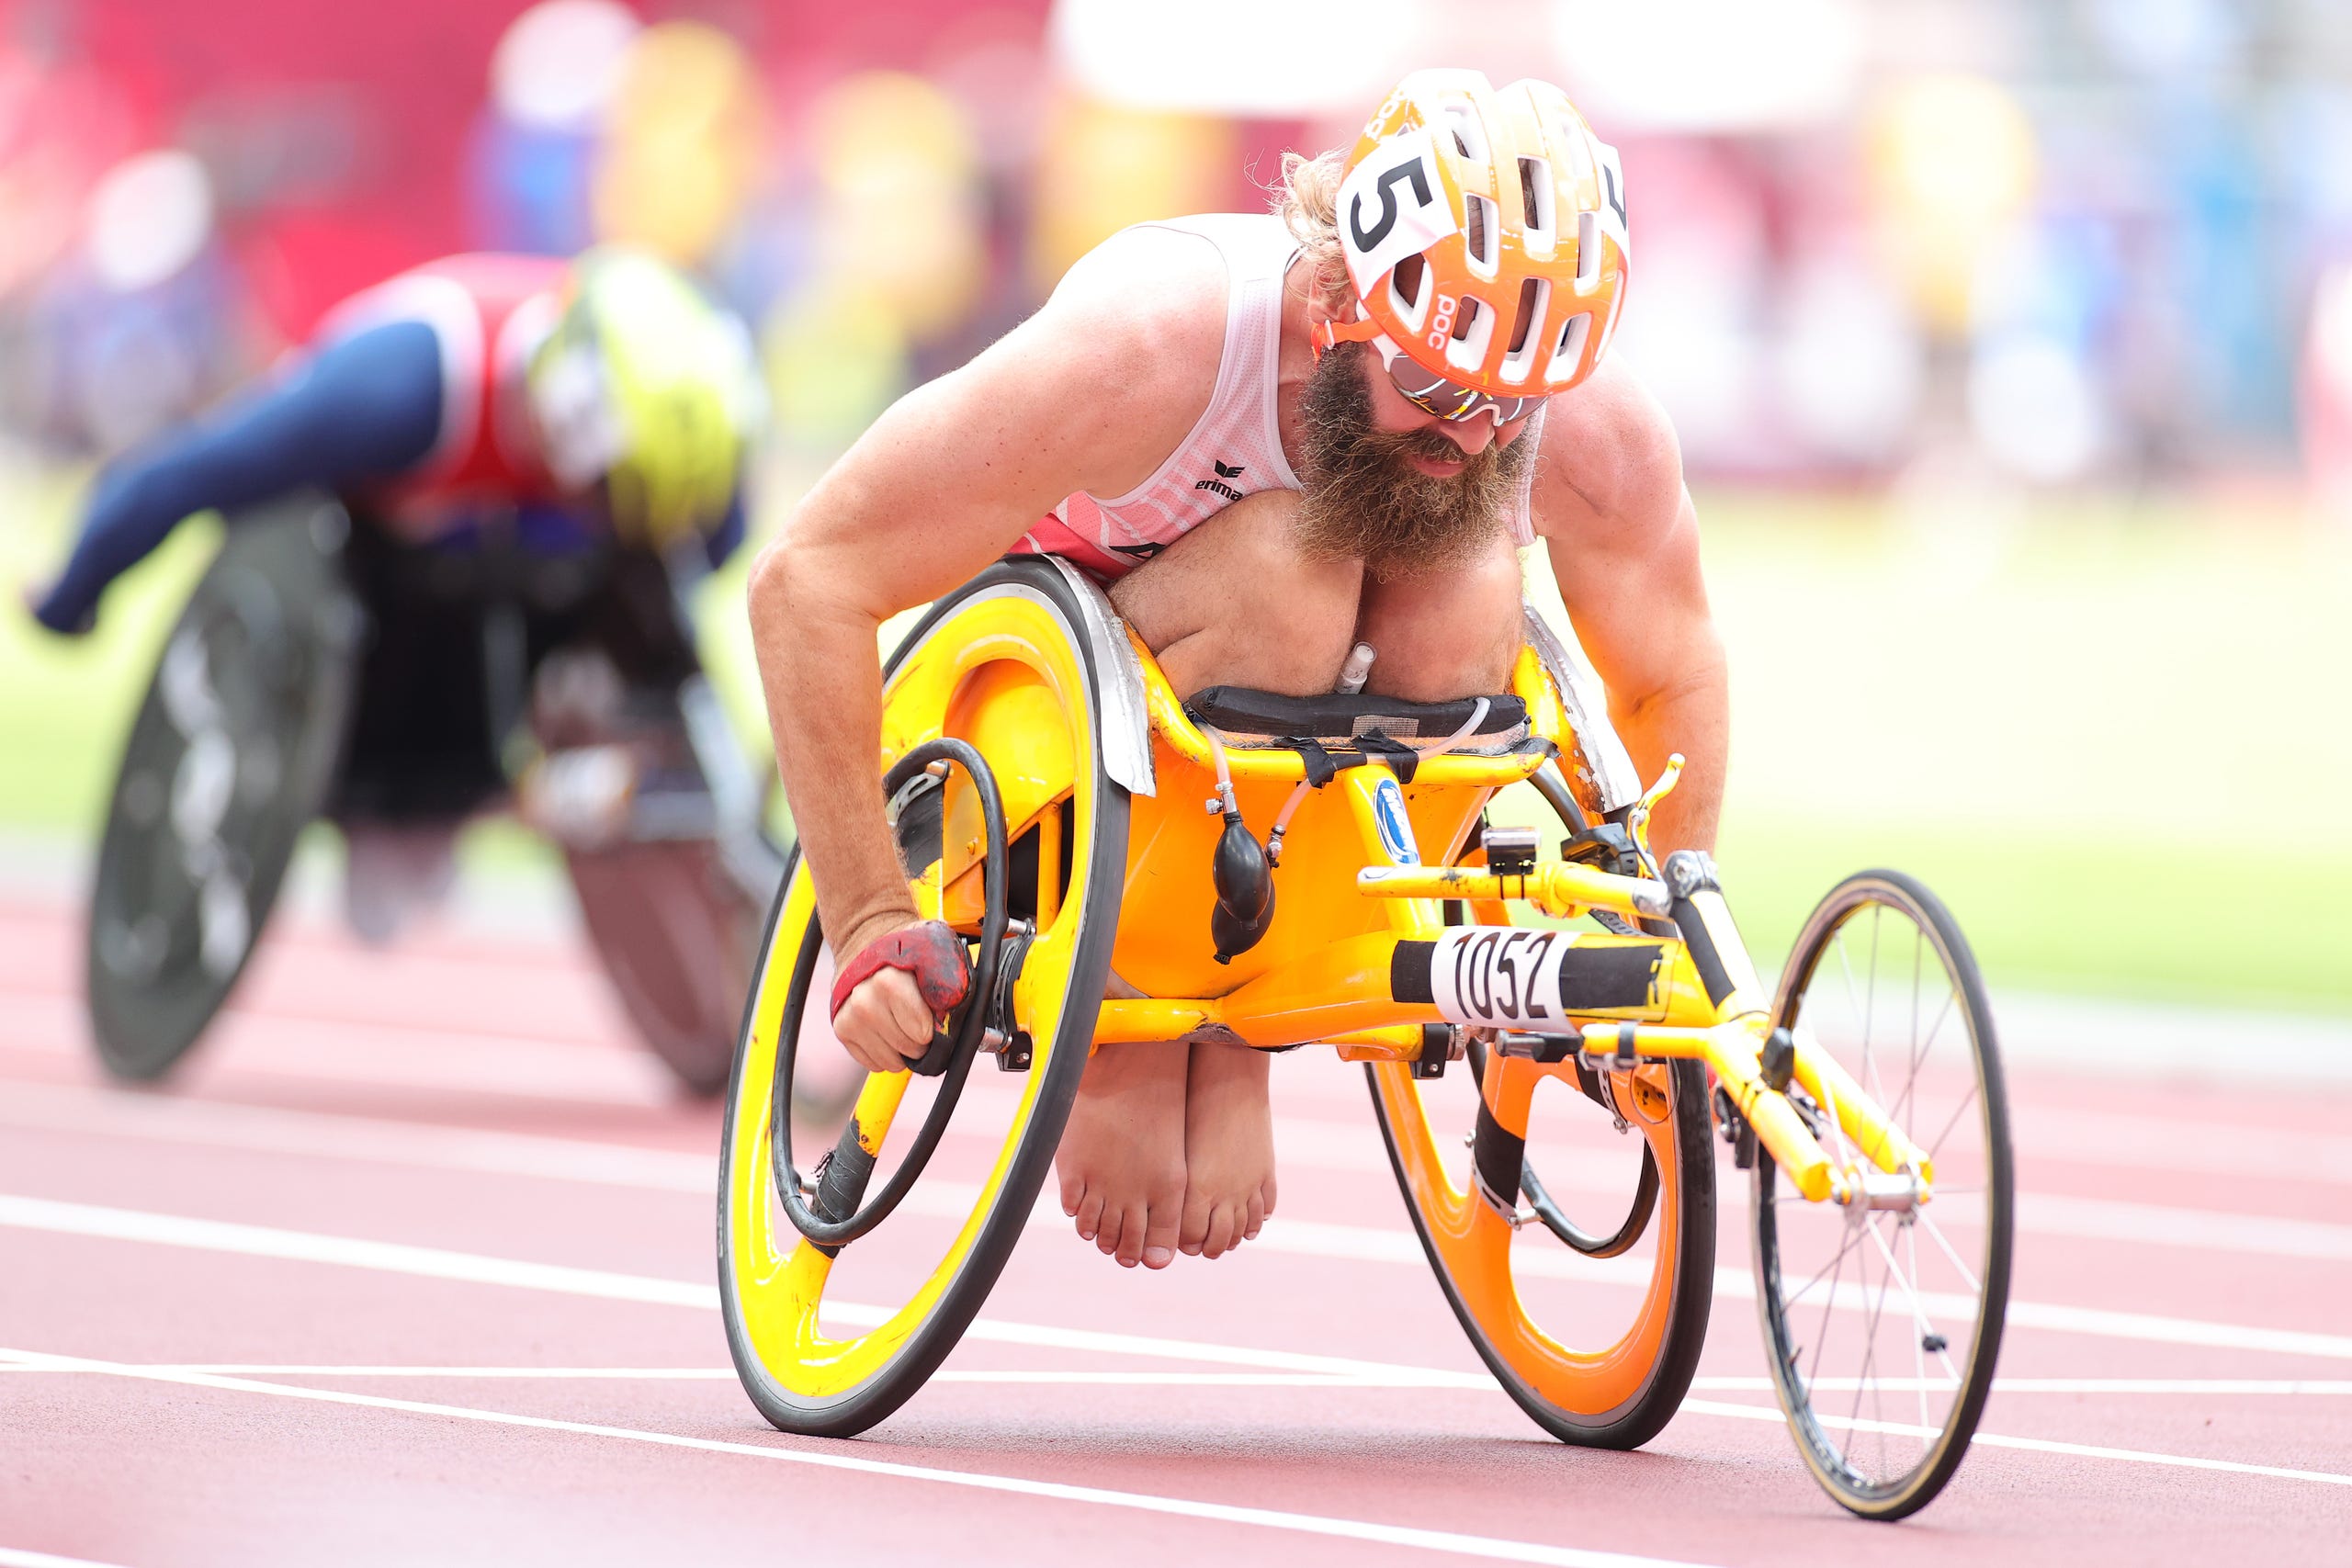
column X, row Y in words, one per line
column 1424, row 388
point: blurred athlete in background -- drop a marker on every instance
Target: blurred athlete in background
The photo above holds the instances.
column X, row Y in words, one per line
column 504, row 430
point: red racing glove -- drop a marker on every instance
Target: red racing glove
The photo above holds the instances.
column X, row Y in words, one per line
column 931, row 952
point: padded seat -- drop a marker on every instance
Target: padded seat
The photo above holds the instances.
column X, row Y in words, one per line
column 1245, row 718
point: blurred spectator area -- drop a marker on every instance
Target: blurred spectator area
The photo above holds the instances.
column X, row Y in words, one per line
column 2029, row 243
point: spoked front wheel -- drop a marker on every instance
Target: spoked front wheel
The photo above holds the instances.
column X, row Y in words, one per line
column 1882, row 1320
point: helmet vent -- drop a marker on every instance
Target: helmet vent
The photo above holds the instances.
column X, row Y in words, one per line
column 1569, row 350
column 1527, row 332
column 1587, row 252
column 1531, row 312
column 1408, row 288
column 1474, row 328
column 1535, row 194
column 1467, row 316
column 1577, row 140
column 1468, row 135
column 1479, row 219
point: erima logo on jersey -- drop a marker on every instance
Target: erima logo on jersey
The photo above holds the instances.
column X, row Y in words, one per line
column 1140, row 552
column 1223, row 474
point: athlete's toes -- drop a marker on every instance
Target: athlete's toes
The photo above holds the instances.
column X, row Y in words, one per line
column 1223, row 1229
column 1161, row 1234
column 1253, row 1216
column 1194, row 1229
column 1089, row 1213
column 1133, row 1220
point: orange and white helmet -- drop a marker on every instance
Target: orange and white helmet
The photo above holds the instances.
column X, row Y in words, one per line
column 1483, row 230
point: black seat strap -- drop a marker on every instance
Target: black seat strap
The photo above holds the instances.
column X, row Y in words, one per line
column 1320, row 769
column 1401, row 759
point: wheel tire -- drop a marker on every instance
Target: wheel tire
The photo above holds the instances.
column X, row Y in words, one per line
column 1896, row 1497
column 677, row 941
column 1641, row 1380
column 772, row 1279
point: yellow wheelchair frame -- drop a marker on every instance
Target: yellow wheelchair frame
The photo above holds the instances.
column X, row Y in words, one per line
column 1098, row 782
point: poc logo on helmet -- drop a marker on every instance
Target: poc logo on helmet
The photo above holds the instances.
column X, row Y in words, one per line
column 1441, row 321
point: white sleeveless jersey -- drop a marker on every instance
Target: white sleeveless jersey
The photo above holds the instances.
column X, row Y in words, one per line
column 1235, row 449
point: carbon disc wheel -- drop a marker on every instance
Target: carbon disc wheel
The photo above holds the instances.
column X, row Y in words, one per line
column 227, row 759
column 1599, row 1351
column 1882, row 1326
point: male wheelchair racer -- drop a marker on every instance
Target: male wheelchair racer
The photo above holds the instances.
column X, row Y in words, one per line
column 321, row 670
column 1096, row 845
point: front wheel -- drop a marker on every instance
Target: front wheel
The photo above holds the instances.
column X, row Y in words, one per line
column 1883, row 1324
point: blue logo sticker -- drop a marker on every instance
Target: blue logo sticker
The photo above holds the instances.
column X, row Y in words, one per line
column 1395, row 828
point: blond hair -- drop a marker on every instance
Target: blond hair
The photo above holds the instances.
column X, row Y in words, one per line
column 1307, row 201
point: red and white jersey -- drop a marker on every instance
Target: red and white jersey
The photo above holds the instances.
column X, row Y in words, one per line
column 490, row 312
column 1235, row 449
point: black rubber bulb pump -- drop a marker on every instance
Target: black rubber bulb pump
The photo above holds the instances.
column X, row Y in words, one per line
column 1245, row 891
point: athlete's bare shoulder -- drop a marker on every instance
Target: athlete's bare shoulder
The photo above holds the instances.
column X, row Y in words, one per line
column 1138, row 325
column 1611, row 475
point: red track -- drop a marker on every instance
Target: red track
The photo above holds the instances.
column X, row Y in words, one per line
column 451, row 1157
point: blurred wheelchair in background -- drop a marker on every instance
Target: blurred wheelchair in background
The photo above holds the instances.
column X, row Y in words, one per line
column 320, row 669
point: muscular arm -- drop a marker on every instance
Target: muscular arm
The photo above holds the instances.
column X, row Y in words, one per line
column 1624, row 541
column 367, row 406
column 1091, row 393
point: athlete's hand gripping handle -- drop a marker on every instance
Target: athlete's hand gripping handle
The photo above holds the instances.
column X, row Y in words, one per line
column 933, row 955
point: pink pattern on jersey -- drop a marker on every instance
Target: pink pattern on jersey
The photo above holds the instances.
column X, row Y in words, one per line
column 1235, row 449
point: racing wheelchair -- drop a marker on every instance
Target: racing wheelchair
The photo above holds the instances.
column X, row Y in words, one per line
column 1279, row 872
column 318, row 669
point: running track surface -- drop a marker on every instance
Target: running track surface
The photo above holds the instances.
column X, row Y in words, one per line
column 415, row 1264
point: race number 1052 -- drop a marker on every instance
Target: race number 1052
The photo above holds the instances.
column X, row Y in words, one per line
column 1488, row 976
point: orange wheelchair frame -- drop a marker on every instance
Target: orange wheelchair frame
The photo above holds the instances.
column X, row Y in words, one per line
column 1077, row 851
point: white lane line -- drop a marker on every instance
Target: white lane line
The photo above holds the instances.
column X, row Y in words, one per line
column 434, row 1262
column 2079, row 1135
column 34, row 1360
column 221, row 1124
column 390, row 1056
column 2216, row 1386
column 1362, row 1244
column 369, row 1140
column 2031, row 1445
column 473, row 1267
column 1304, row 1237
column 1487, row 1546
column 1414, row 1378
column 13, row 1557
column 2207, row 1230
column 1040, row 1378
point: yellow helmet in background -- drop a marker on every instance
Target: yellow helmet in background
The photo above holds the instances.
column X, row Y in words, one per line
column 650, row 387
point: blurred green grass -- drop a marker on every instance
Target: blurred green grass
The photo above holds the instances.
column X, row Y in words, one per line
column 2105, row 733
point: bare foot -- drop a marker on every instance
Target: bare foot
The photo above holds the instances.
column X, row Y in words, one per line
column 1228, row 1149
column 1122, row 1157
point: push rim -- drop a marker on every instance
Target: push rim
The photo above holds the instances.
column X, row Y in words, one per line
column 1883, row 1328
column 989, row 666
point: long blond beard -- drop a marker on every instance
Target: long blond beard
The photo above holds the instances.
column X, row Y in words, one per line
column 1363, row 500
